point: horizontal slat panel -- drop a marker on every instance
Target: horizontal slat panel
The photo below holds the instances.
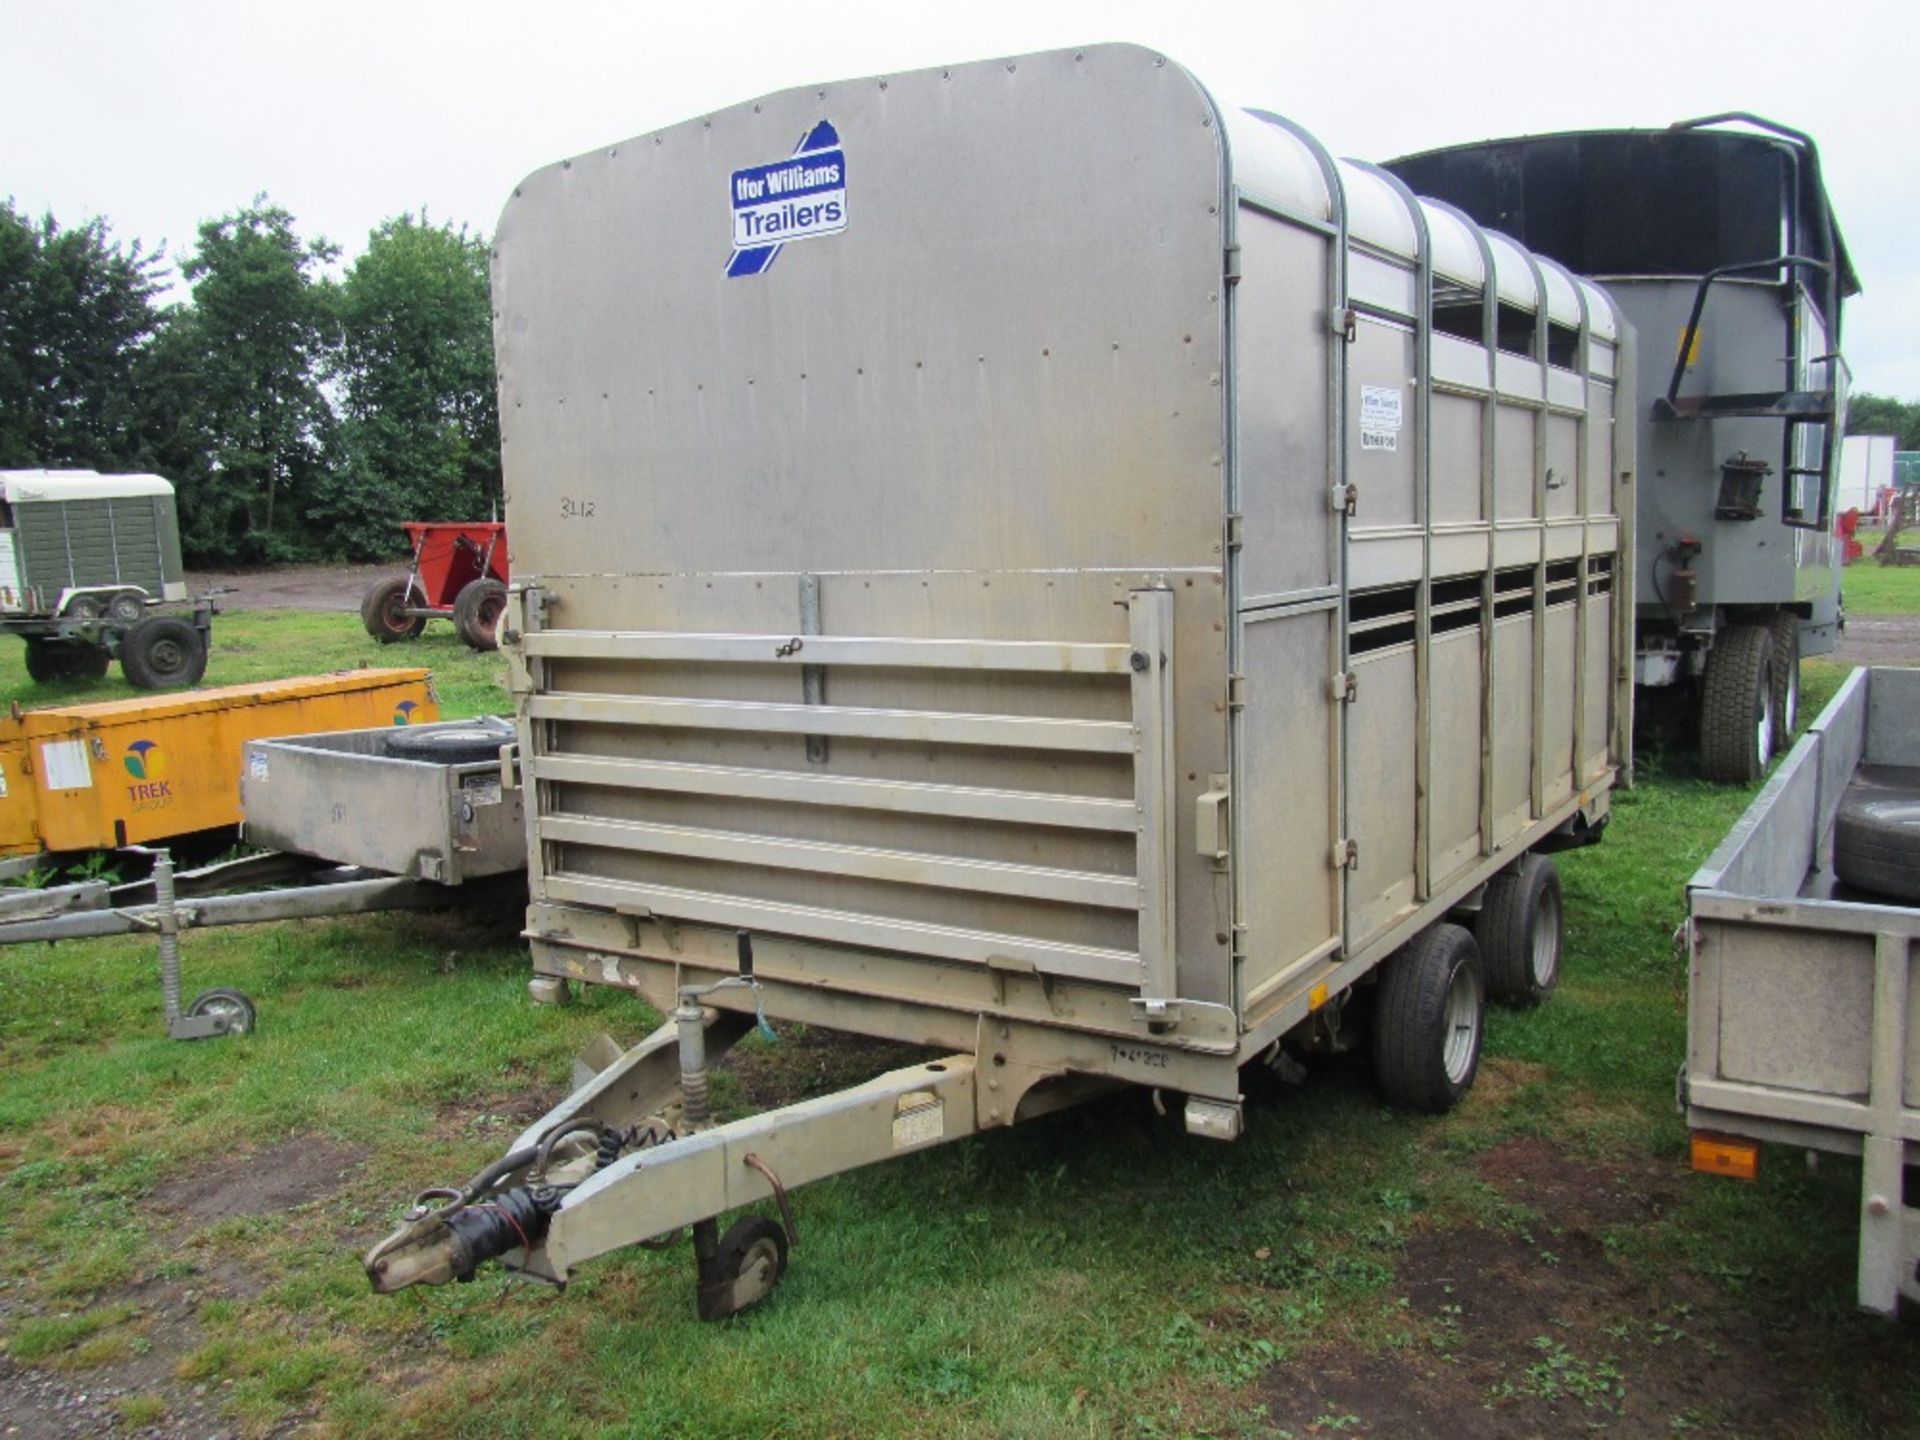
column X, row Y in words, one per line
column 935, row 727
column 1114, row 967
column 1032, row 655
column 902, row 867
column 960, row 802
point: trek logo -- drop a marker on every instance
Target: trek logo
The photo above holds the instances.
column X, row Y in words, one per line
column 147, row 766
column 799, row 198
column 403, row 712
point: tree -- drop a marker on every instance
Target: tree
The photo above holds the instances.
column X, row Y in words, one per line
column 420, row 430
column 1883, row 415
column 260, row 328
column 76, row 316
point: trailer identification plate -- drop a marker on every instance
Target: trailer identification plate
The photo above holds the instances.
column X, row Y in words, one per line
column 66, row 765
column 800, row 198
column 918, row 1119
column 1379, row 417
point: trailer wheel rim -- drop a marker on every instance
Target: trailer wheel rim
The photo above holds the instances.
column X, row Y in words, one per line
column 1545, row 946
column 167, row 657
column 1463, row 1025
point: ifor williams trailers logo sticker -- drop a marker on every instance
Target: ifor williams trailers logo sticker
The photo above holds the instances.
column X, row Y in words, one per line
column 800, row 198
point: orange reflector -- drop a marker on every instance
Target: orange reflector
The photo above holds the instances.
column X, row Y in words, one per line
column 1724, row 1155
column 1316, row 997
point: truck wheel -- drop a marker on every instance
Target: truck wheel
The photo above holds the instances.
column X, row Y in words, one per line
column 1786, row 679
column 163, row 652
column 1427, row 1020
column 477, row 609
column 383, row 611
column 1520, row 929
column 1876, row 839
column 1736, row 711
column 64, row 660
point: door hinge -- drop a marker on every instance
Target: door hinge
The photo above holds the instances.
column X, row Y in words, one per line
column 1345, row 499
column 1235, row 532
column 1231, row 265
column 1346, row 685
column 1346, row 854
column 1346, row 324
column 1236, row 692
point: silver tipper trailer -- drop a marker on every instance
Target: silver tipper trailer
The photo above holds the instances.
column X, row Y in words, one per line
column 1004, row 562
column 1803, row 1001
column 1719, row 246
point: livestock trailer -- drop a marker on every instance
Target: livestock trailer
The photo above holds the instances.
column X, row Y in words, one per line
column 1004, row 561
column 87, row 563
column 1803, row 1004
column 1719, row 245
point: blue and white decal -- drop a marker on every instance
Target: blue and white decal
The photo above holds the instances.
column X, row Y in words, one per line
column 800, row 198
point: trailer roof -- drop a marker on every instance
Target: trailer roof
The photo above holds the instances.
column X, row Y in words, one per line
column 26, row 486
column 1627, row 201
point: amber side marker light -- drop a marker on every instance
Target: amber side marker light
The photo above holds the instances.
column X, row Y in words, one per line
column 1724, row 1155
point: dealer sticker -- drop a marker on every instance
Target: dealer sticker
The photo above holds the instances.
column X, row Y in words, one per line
column 800, row 198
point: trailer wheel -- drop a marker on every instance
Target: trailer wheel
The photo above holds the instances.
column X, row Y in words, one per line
column 1786, row 678
column 1876, row 838
column 64, row 660
column 1737, row 720
column 1427, row 1021
column 1520, row 929
column 750, row 1262
column 455, row 745
column 126, row 608
column 384, row 610
column 477, row 609
column 231, row 1006
column 163, row 652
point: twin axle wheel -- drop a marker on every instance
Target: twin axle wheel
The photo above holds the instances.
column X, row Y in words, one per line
column 1429, row 1006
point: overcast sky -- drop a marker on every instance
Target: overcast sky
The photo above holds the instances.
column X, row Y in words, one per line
column 163, row 113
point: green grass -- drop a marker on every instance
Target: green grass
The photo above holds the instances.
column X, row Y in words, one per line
column 1872, row 589
column 1095, row 1274
column 273, row 644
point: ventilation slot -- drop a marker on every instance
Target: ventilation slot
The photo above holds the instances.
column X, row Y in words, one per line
column 1380, row 619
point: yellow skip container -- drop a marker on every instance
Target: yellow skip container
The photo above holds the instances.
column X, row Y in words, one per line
column 126, row 772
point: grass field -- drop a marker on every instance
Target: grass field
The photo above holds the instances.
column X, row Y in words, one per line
column 180, row 1224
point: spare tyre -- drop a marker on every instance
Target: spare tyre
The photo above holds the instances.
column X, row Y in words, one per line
column 451, row 744
column 1876, row 833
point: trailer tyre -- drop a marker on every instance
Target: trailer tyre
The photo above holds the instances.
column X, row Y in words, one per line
column 454, row 745
column 163, row 652
column 64, row 660
column 751, row 1260
column 477, row 610
column 384, row 610
column 1876, row 839
column 1521, row 929
column 1428, row 1019
column 1737, row 717
column 1786, row 679
column 231, row 1006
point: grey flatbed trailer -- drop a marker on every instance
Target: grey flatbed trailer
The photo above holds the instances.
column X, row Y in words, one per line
column 1803, row 1007
column 1048, row 593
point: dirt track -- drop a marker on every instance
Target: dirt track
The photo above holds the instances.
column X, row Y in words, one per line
column 293, row 587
